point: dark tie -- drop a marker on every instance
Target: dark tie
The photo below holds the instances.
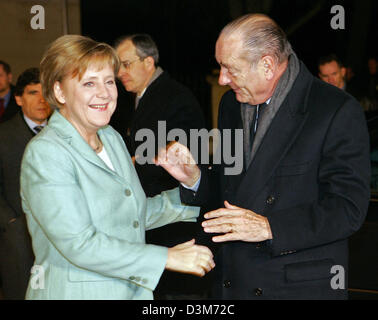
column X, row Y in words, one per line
column 2, row 107
column 38, row 128
column 137, row 101
column 255, row 122
column 252, row 126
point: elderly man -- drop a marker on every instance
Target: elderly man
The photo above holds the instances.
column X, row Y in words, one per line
column 15, row 244
column 158, row 98
column 283, row 231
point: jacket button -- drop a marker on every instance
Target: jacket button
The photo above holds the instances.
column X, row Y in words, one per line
column 227, row 284
column 258, row 292
column 258, row 245
column 270, row 200
column 135, row 224
column 128, row 192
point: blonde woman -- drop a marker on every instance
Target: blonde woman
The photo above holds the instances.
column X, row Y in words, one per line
column 86, row 210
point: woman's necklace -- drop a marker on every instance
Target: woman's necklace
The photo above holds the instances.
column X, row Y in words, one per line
column 98, row 148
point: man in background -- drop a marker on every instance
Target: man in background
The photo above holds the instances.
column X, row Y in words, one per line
column 8, row 106
column 15, row 244
column 332, row 71
column 157, row 97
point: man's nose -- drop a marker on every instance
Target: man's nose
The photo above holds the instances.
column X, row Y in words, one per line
column 122, row 71
column 42, row 99
column 223, row 78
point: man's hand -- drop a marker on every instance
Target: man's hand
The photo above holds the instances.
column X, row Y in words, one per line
column 237, row 224
column 177, row 160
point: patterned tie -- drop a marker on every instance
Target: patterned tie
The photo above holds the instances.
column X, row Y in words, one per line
column 2, row 107
column 38, row 128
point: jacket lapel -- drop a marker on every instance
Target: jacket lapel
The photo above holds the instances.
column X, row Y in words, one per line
column 114, row 154
column 281, row 134
column 67, row 132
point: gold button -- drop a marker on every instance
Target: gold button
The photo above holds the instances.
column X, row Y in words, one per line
column 128, row 192
column 136, row 224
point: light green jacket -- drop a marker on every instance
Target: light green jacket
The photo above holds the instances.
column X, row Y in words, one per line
column 88, row 222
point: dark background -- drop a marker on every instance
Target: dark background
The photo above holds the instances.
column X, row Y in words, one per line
column 186, row 31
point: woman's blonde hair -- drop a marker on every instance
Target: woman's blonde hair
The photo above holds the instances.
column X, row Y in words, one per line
column 70, row 56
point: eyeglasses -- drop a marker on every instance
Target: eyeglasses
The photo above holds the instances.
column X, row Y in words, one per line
column 127, row 64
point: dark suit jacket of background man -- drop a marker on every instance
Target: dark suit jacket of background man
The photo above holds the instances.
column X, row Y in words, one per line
column 11, row 109
column 16, row 256
column 311, row 178
column 165, row 99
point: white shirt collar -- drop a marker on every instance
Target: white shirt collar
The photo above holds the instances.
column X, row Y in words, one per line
column 31, row 124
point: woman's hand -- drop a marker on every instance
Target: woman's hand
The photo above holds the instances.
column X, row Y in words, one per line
column 177, row 160
column 190, row 258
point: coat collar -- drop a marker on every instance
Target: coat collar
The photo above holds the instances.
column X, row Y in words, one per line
column 144, row 108
column 281, row 134
column 67, row 132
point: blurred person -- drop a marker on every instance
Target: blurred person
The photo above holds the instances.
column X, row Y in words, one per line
column 158, row 97
column 85, row 208
column 332, row 71
column 283, row 224
column 8, row 106
column 15, row 244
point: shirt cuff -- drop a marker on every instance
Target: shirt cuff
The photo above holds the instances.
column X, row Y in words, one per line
column 195, row 187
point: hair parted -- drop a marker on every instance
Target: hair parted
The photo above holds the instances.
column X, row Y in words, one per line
column 260, row 36
column 29, row 76
column 70, row 56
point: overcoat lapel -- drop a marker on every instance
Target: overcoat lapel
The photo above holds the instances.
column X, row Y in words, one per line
column 281, row 134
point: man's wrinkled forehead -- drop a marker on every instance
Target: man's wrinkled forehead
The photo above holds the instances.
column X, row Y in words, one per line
column 228, row 46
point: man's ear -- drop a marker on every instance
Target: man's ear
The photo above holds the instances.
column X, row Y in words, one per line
column 343, row 71
column 268, row 64
column 150, row 62
column 18, row 100
column 58, row 92
column 10, row 77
